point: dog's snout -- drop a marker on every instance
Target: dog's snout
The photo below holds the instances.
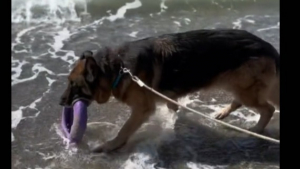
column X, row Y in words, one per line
column 62, row 101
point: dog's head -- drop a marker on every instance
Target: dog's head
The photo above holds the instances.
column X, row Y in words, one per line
column 87, row 81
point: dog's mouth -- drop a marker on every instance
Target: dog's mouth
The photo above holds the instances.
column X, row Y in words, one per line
column 88, row 101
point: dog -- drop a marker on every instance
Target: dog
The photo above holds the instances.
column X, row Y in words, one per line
column 176, row 65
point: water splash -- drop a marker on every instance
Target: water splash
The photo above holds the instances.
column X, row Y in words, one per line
column 39, row 11
column 121, row 11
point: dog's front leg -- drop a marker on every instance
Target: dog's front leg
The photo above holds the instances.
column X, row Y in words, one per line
column 138, row 116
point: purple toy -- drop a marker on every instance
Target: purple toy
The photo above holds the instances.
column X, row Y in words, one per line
column 74, row 121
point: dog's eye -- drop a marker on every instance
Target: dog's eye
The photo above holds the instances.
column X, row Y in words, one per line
column 73, row 84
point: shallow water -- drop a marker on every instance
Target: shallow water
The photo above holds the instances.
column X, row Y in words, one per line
column 48, row 36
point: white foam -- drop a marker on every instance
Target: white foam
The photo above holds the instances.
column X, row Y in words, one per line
column 139, row 161
column 23, row 32
column 193, row 165
column 177, row 23
column 250, row 21
column 223, row 7
column 55, row 11
column 12, row 137
column 36, row 69
column 269, row 28
column 252, row 117
column 163, row 124
column 48, row 156
column 16, row 117
column 19, row 36
column 185, row 100
column 33, row 104
column 17, row 69
column 21, row 51
column 187, row 21
column 67, row 58
column 59, row 38
column 163, row 6
column 59, row 132
column 102, row 123
column 166, row 118
column 119, row 15
column 121, row 11
column 63, row 74
column 50, row 81
column 238, row 23
column 38, row 57
column 133, row 34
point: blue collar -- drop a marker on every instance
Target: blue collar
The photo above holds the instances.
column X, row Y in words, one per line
column 117, row 80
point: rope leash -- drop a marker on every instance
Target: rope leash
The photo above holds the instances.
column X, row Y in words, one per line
column 142, row 84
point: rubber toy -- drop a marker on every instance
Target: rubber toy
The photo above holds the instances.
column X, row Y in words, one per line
column 74, row 121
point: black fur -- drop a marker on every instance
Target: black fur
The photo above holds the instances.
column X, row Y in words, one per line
column 186, row 61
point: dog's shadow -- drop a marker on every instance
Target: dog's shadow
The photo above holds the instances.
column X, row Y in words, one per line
column 213, row 145
column 198, row 140
column 193, row 139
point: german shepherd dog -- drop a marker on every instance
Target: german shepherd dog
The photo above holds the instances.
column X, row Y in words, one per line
column 176, row 65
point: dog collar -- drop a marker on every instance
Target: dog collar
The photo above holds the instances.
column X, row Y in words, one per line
column 117, row 80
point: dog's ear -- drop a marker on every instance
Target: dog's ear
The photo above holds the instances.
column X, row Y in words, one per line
column 91, row 69
column 86, row 54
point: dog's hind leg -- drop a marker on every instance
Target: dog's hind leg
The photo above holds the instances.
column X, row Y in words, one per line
column 173, row 106
column 251, row 85
column 256, row 97
column 266, row 111
column 234, row 105
column 274, row 94
column 173, row 96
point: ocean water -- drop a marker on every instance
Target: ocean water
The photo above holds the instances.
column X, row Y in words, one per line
column 49, row 35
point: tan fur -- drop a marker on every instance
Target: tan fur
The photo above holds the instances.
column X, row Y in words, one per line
column 77, row 70
column 164, row 47
column 254, row 85
column 274, row 94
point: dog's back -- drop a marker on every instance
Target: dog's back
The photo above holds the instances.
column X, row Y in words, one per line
column 185, row 62
column 234, row 60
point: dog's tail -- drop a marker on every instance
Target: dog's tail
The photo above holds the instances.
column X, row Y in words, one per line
column 277, row 62
column 274, row 94
column 271, row 52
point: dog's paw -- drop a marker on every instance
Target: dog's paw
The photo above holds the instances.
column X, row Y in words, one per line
column 221, row 115
column 100, row 149
column 107, row 147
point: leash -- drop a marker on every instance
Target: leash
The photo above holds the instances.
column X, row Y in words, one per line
column 142, row 84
